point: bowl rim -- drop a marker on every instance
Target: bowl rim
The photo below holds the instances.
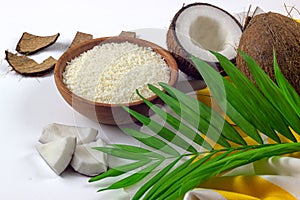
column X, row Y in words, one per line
column 167, row 57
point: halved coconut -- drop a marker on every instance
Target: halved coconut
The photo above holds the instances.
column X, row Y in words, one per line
column 199, row 28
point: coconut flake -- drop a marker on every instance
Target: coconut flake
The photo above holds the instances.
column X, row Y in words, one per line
column 89, row 161
column 56, row 131
column 58, row 153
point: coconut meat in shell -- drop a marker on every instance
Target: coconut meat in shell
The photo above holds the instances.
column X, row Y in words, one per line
column 199, row 28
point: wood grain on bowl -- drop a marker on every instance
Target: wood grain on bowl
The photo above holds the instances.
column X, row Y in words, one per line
column 112, row 114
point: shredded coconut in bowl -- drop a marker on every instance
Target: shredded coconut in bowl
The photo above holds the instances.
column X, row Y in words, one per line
column 111, row 73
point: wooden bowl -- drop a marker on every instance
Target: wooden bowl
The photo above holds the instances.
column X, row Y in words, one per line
column 105, row 113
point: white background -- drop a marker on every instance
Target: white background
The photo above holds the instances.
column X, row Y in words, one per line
column 28, row 104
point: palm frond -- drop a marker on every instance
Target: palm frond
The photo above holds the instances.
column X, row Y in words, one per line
column 194, row 142
column 286, row 88
column 273, row 93
column 194, row 117
column 267, row 112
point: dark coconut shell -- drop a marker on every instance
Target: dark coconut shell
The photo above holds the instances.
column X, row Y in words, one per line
column 80, row 37
column 182, row 56
column 269, row 31
column 29, row 67
column 30, row 44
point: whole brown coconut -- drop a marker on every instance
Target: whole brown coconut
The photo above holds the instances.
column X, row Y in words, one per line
column 269, row 31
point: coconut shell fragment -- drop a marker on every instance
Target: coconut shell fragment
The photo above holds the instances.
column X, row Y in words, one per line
column 81, row 37
column 30, row 44
column 128, row 34
column 29, row 67
column 269, row 31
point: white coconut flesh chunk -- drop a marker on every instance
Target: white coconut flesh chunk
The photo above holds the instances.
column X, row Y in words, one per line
column 57, row 131
column 201, row 28
column 89, row 161
column 58, row 153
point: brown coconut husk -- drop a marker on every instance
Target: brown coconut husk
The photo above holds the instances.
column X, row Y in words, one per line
column 80, row 37
column 128, row 34
column 269, row 31
column 29, row 67
column 30, row 44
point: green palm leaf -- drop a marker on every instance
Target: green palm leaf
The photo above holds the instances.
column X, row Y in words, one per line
column 181, row 154
column 287, row 90
column 117, row 171
column 267, row 113
column 134, row 178
column 150, row 141
column 213, row 168
column 187, row 131
column 216, row 120
column 239, row 101
column 273, row 93
column 156, row 178
column 194, row 118
column 162, row 131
